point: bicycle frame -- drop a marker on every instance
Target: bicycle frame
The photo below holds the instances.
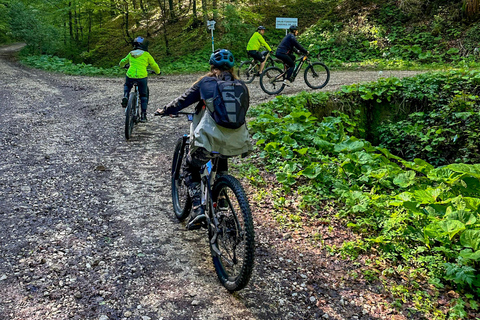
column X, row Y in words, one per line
column 296, row 69
column 208, row 174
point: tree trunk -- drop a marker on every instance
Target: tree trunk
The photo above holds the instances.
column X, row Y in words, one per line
column 125, row 20
column 172, row 10
column 70, row 22
column 215, row 9
column 89, row 29
column 204, row 12
column 76, row 24
column 195, row 9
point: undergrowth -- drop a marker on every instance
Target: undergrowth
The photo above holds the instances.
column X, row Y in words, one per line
column 422, row 220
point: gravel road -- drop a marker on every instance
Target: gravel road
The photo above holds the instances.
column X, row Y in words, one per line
column 87, row 231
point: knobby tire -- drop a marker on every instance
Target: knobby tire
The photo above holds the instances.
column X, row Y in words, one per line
column 246, row 72
column 236, row 238
column 181, row 201
column 268, row 83
column 316, row 75
column 130, row 115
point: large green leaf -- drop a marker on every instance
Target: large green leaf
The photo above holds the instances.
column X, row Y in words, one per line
column 312, row 171
column 466, row 217
column 471, row 239
column 469, row 255
column 349, row 145
column 405, row 179
column 443, row 228
column 451, row 227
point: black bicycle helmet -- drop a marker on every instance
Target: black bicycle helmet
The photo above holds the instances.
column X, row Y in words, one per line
column 261, row 28
column 292, row 28
column 139, row 42
column 222, row 58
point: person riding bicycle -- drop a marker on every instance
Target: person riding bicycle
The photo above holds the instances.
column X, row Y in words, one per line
column 138, row 59
column 207, row 139
column 285, row 51
column 255, row 43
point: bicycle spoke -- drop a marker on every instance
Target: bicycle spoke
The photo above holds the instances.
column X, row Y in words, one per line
column 233, row 244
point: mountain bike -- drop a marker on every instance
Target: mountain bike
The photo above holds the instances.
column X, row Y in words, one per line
column 249, row 69
column 229, row 220
column 316, row 76
column 133, row 109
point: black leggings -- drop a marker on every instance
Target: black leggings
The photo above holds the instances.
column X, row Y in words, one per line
column 289, row 60
column 196, row 160
column 142, row 89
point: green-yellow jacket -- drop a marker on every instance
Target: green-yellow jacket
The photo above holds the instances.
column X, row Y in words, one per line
column 257, row 41
column 139, row 60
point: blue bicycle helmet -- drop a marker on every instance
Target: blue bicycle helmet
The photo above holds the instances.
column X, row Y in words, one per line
column 222, row 58
column 139, row 42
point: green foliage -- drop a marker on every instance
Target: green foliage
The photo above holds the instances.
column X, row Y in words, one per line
column 28, row 26
column 412, row 212
column 56, row 64
column 5, row 34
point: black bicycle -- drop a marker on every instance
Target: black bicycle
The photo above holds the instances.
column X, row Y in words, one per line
column 316, row 76
column 229, row 219
column 132, row 111
column 249, row 69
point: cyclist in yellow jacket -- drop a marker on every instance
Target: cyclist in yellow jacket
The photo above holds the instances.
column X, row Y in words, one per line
column 138, row 59
column 254, row 45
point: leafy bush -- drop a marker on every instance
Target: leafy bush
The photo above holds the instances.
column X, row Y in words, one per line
column 446, row 135
column 415, row 214
column 56, row 64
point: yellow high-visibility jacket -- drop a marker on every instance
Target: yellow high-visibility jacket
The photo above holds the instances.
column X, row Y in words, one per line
column 139, row 60
column 256, row 42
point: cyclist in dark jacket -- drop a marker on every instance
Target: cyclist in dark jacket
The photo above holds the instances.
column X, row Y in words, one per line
column 207, row 139
column 285, row 50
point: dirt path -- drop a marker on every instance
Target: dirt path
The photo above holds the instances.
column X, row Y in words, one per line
column 86, row 226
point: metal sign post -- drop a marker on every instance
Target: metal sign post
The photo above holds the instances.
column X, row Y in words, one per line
column 211, row 27
column 285, row 23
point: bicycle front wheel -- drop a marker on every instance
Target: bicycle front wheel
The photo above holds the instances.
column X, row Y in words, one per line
column 233, row 246
column 182, row 203
column 130, row 115
column 316, row 75
column 271, row 80
column 246, row 71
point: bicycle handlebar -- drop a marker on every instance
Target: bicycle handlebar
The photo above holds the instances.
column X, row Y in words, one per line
column 178, row 113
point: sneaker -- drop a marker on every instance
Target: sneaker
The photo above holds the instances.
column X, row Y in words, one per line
column 124, row 102
column 197, row 218
column 143, row 117
column 222, row 204
column 287, row 82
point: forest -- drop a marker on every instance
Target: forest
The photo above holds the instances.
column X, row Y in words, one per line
column 396, row 161
column 385, row 34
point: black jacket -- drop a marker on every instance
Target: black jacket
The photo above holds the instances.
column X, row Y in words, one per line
column 288, row 43
column 199, row 92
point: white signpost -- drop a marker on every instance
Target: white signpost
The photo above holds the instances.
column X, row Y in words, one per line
column 285, row 23
column 211, row 27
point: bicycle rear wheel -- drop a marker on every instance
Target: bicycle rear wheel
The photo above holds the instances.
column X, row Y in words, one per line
column 234, row 246
column 130, row 115
column 182, row 203
column 271, row 80
column 316, row 75
column 246, row 71
column 268, row 64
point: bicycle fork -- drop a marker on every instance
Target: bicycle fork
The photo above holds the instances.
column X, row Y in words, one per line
column 208, row 177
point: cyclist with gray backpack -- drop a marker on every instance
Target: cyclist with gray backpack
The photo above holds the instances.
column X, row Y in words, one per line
column 218, row 128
